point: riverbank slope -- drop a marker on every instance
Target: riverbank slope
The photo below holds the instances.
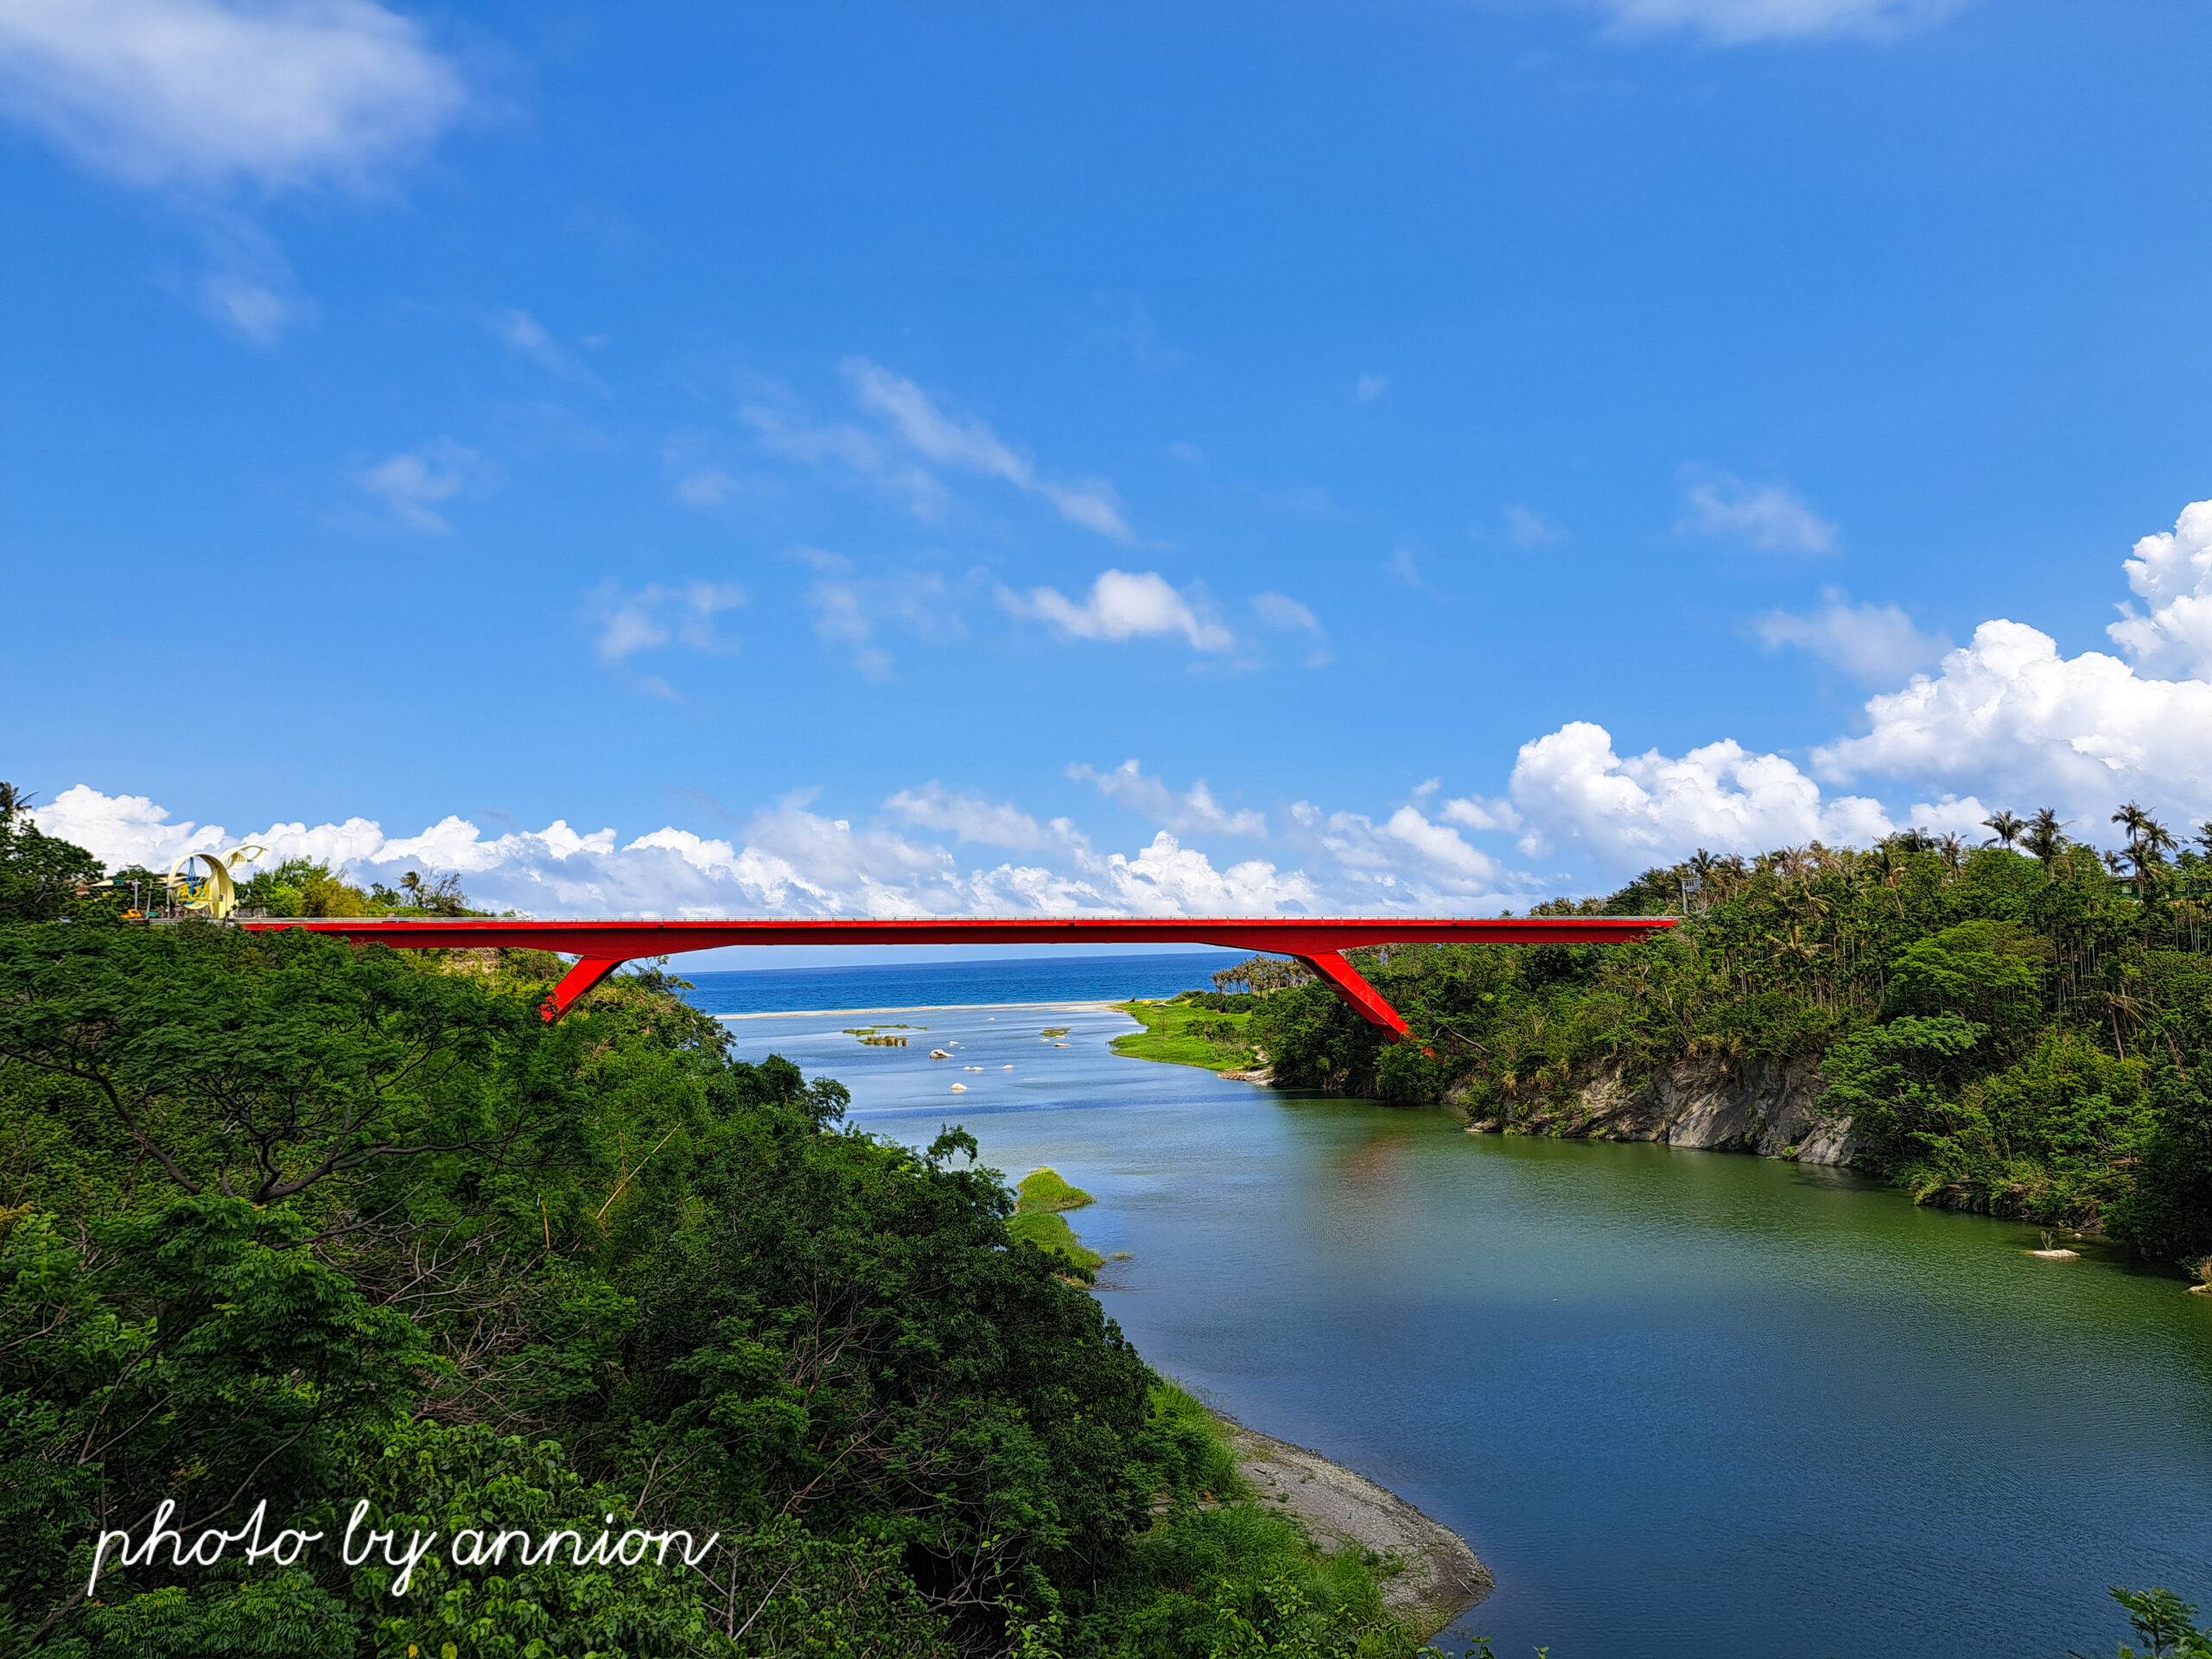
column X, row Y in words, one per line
column 1438, row 1576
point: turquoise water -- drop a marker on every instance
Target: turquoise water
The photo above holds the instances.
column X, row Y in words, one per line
column 1017, row 979
column 1682, row 1403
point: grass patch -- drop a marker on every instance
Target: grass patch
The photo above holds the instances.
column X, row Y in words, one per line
column 1044, row 1191
column 1182, row 1034
column 1048, row 1230
column 1211, row 1554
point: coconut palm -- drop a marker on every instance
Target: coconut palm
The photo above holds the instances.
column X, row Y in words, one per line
column 2148, row 842
column 2005, row 829
column 2045, row 837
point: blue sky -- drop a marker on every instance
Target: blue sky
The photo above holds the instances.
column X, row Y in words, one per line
column 828, row 444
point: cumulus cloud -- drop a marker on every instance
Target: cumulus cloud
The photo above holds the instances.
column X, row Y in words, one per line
column 2172, row 573
column 203, row 95
column 413, row 483
column 1126, row 605
column 790, row 861
column 1735, row 23
column 1194, row 812
column 1407, row 862
column 648, row 617
column 1768, row 517
column 1875, row 643
column 1570, row 788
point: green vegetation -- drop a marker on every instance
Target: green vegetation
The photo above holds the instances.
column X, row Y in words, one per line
column 1041, row 1196
column 1046, row 1190
column 1050, row 1232
column 282, row 1219
column 2023, row 1033
column 2167, row 1622
column 1188, row 1032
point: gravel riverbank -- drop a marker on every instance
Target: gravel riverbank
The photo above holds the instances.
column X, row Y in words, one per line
column 1441, row 1577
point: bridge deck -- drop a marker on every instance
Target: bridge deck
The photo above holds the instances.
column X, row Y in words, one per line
column 600, row 947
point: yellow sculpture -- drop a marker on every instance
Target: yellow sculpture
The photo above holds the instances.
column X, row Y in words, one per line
column 214, row 895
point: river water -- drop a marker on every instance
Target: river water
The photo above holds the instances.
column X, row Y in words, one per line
column 1682, row 1403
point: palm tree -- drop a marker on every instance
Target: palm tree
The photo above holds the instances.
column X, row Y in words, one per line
column 1953, row 849
column 2045, row 837
column 2148, row 841
column 14, row 799
column 2005, row 829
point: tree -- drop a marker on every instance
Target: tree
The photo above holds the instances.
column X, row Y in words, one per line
column 260, row 1066
column 2148, row 841
column 2005, row 828
column 41, row 875
column 2045, row 837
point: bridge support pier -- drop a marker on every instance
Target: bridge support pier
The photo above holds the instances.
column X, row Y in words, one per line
column 582, row 977
column 1366, row 1001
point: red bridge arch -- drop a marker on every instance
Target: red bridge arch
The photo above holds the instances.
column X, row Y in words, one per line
column 600, row 947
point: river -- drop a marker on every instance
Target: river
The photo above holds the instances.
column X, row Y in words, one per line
column 1682, row 1403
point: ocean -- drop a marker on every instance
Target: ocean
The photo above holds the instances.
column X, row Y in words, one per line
column 938, row 984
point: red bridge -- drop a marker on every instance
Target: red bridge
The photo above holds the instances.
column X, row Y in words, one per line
column 600, row 947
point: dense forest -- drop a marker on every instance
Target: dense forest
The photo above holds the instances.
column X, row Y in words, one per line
column 2022, row 1027
column 286, row 1221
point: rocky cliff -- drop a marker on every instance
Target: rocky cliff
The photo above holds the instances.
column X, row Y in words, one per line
column 1762, row 1106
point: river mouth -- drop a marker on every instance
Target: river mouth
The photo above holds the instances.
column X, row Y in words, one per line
column 1682, row 1403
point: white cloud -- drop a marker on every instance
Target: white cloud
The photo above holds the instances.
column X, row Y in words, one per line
column 654, row 615
column 2008, row 713
column 1280, row 611
column 782, row 432
column 1125, row 604
column 1474, row 811
column 937, row 437
column 1734, row 22
column 1407, row 862
column 1286, row 615
column 2173, row 572
column 966, row 817
column 1770, row 517
column 790, row 861
column 1195, row 813
column 413, row 483
column 256, row 310
column 201, row 93
column 1571, row 790
column 1369, row 387
column 1404, row 566
column 527, row 336
column 1875, row 643
column 851, row 612
column 1525, row 529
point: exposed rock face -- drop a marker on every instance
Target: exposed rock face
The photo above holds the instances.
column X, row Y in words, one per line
column 1752, row 1105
